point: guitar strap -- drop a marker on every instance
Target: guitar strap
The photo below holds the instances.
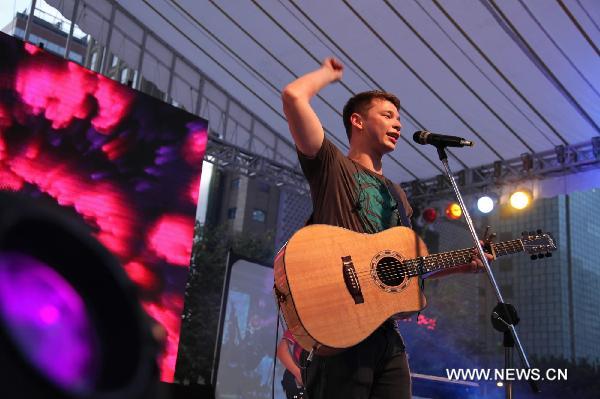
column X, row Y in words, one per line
column 405, row 222
column 399, row 205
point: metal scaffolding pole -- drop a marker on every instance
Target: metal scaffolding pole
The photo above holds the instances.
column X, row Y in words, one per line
column 168, row 96
column 106, row 58
column 29, row 20
column 70, row 36
column 138, row 84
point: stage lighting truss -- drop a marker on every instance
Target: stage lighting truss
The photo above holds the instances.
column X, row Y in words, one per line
column 596, row 147
column 526, row 162
column 226, row 156
column 577, row 158
column 560, row 151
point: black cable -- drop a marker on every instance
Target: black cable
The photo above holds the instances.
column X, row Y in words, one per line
column 275, row 357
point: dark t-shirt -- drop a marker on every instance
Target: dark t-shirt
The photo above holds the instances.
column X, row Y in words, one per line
column 346, row 194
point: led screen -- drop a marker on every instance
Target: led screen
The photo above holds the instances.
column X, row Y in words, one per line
column 125, row 163
column 248, row 336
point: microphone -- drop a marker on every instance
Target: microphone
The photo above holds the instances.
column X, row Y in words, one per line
column 425, row 137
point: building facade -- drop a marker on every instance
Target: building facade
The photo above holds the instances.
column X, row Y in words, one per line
column 51, row 35
column 556, row 297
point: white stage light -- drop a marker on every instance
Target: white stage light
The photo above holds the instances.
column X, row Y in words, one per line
column 485, row 204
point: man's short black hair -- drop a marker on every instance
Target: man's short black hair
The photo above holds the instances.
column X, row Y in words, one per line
column 360, row 103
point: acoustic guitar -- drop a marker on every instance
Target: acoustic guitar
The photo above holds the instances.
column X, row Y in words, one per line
column 334, row 286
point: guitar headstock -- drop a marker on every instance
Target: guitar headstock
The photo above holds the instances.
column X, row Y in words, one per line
column 538, row 244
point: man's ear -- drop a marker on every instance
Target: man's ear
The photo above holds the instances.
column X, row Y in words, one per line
column 356, row 120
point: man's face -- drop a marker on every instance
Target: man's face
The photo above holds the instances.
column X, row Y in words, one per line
column 382, row 124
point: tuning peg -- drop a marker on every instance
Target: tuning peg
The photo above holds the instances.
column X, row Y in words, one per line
column 548, row 254
column 486, row 233
column 488, row 236
column 539, row 231
column 534, row 257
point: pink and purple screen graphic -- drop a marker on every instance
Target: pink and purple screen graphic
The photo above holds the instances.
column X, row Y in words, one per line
column 127, row 164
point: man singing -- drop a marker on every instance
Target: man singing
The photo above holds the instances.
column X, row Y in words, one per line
column 351, row 191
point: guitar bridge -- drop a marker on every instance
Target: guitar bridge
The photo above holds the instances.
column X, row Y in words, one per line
column 351, row 280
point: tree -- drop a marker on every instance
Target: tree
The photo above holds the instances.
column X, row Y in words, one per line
column 203, row 294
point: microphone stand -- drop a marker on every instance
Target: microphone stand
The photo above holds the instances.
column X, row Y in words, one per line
column 504, row 314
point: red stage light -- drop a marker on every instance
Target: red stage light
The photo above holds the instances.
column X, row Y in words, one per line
column 429, row 215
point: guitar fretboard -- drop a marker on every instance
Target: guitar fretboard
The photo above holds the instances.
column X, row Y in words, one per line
column 446, row 260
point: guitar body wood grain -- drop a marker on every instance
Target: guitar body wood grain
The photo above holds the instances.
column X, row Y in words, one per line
column 314, row 296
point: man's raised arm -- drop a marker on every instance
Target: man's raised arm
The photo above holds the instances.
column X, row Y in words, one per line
column 304, row 124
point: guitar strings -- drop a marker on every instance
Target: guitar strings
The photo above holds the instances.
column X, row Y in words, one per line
column 410, row 267
column 435, row 262
column 395, row 269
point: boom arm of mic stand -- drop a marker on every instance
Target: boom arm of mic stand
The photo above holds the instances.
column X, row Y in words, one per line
column 444, row 158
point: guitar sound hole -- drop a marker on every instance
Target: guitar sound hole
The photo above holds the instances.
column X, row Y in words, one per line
column 389, row 271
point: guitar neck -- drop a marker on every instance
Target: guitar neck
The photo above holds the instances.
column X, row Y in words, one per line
column 447, row 260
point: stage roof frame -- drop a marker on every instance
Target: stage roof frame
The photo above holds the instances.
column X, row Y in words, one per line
column 514, row 76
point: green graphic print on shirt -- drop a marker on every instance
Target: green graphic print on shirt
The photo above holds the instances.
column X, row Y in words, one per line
column 378, row 208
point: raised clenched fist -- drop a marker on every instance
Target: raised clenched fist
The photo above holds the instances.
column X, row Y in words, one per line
column 334, row 66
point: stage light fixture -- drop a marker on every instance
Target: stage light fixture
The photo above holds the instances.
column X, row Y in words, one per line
column 415, row 187
column 70, row 322
column 520, row 199
column 453, row 211
column 485, row 204
column 429, row 215
column 560, row 152
column 526, row 162
column 596, row 147
column 497, row 169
